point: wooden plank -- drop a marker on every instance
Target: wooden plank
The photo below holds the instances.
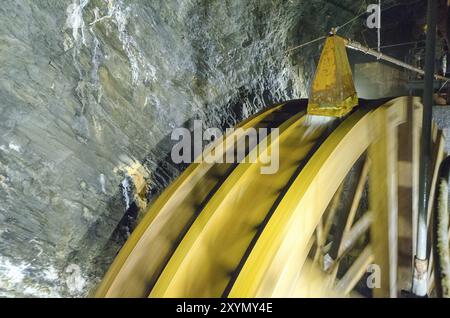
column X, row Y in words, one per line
column 383, row 189
column 405, row 168
column 416, row 136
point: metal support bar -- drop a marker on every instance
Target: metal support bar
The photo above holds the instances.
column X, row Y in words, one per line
column 380, row 56
column 419, row 286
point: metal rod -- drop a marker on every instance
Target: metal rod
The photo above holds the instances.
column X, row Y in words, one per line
column 379, row 25
column 419, row 287
column 380, row 56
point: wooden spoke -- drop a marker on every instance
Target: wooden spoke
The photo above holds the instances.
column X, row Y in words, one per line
column 347, row 220
column 383, row 201
column 332, row 209
column 357, row 198
column 350, row 239
column 356, row 271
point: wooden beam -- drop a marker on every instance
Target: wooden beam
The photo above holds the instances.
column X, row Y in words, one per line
column 416, row 134
column 383, row 186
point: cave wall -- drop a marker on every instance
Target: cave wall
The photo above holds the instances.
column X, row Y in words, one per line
column 90, row 90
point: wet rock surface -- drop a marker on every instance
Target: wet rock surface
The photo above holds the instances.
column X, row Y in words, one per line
column 441, row 116
column 90, row 91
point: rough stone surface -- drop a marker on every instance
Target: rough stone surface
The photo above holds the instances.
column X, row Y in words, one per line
column 441, row 115
column 90, row 91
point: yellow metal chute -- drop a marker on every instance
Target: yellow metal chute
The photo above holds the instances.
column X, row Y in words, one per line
column 333, row 92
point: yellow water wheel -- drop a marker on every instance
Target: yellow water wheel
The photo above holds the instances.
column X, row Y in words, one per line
column 228, row 230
